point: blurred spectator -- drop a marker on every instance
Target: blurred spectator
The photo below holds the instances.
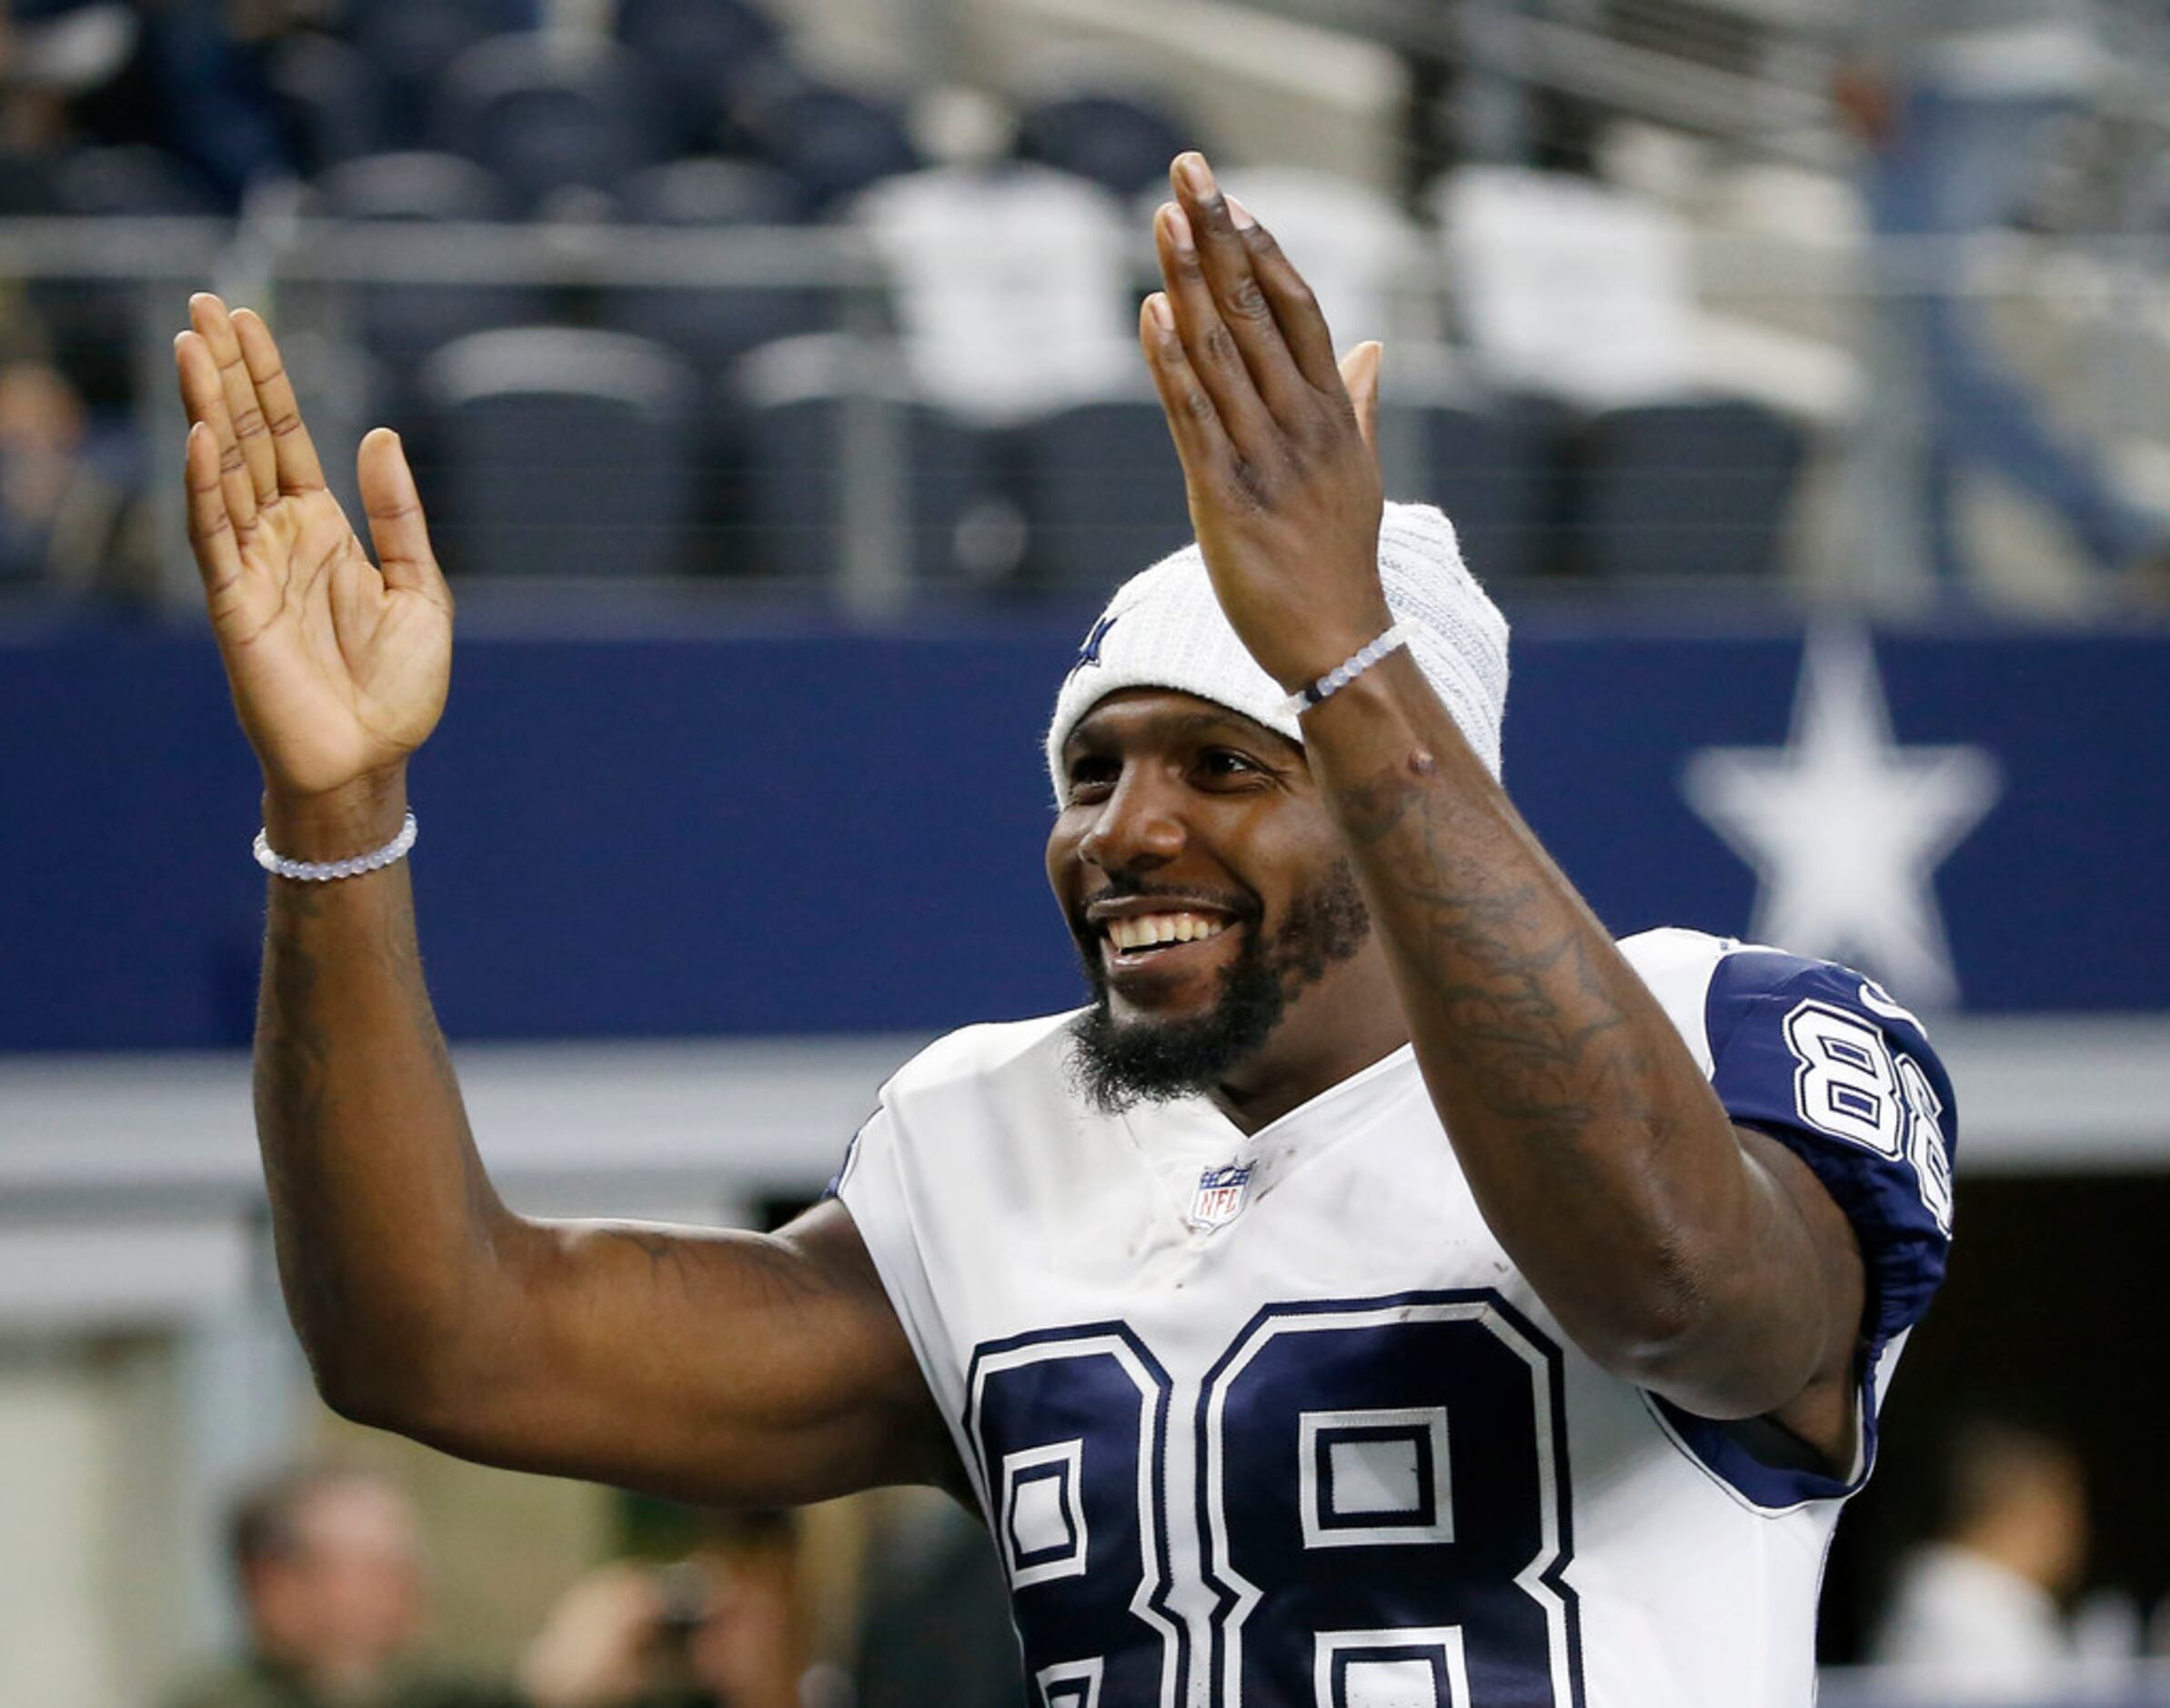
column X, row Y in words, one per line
column 937, row 1624
column 1958, row 101
column 41, row 432
column 1980, row 1611
column 718, row 1630
column 329, row 1569
column 182, row 75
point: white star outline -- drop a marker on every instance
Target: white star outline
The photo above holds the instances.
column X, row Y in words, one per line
column 1845, row 829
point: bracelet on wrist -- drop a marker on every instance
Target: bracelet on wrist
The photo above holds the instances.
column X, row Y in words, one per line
column 328, row 871
column 1316, row 693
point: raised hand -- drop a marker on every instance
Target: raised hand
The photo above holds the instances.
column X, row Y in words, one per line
column 338, row 666
column 1276, row 441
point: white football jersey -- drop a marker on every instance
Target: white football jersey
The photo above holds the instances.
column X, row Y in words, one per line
column 1271, row 1419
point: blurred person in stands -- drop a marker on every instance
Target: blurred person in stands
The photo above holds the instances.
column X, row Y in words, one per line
column 1959, row 103
column 329, row 1569
column 40, row 436
column 717, row 1630
column 1980, row 1611
column 935, row 1625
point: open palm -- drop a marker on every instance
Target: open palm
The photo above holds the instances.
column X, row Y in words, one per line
column 338, row 666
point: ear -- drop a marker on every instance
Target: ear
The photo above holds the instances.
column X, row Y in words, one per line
column 1360, row 373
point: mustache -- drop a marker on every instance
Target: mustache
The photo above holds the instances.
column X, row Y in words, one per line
column 1240, row 905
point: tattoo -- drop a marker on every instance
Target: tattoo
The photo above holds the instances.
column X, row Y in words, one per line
column 1543, row 1044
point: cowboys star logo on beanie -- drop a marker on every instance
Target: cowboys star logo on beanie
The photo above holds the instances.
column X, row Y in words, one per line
column 1164, row 628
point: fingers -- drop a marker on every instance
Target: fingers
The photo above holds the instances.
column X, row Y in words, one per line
column 1229, row 243
column 210, row 529
column 1295, row 310
column 1360, row 373
column 1193, row 421
column 397, row 526
column 294, row 452
column 244, row 415
column 1213, row 354
column 203, row 395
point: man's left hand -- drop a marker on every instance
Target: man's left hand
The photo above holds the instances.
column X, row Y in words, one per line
column 1277, row 441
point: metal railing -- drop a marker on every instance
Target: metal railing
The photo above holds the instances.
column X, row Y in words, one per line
column 302, row 269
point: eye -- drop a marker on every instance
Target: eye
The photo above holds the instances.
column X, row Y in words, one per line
column 1225, row 765
column 1092, row 775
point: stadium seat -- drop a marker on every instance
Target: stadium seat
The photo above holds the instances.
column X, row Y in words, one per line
column 96, row 325
column 1122, row 142
column 411, row 42
column 699, row 50
column 799, row 397
column 1013, row 286
column 1101, row 491
column 400, row 323
column 703, row 190
column 713, row 326
column 333, row 100
column 1492, row 465
column 833, row 141
column 1570, row 288
column 560, row 452
column 414, row 183
column 1695, row 490
column 550, row 114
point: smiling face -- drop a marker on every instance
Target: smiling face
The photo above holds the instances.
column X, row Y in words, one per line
column 1218, row 918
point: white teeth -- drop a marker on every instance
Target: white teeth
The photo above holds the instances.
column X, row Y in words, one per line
column 1148, row 929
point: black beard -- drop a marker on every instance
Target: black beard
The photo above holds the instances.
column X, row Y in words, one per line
column 1118, row 1066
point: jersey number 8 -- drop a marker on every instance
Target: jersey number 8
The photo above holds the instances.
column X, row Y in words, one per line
column 1376, row 1493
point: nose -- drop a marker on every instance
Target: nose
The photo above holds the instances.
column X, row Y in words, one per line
column 1138, row 827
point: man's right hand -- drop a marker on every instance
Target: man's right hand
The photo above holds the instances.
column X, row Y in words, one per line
column 338, row 666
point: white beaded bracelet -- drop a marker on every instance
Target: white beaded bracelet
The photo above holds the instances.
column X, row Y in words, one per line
column 325, row 871
column 1348, row 670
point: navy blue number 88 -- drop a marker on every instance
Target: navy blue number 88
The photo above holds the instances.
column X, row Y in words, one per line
column 1382, row 1509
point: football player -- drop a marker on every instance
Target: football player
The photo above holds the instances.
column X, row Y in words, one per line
column 1387, row 1290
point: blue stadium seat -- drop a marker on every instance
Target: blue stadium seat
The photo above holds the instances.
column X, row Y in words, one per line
column 1491, row 466
column 1119, row 140
column 1694, row 489
column 704, row 190
column 798, row 402
column 1102, row 492
column 833, row 141
column 402, row 323
column 95, row 325
column 712, row 327
column 699, row 50
column 560, row 452
column 549, row 114
column 333, row 100
column 411, row 42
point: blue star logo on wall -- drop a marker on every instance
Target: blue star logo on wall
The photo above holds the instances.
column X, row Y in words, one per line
column 1845, row 829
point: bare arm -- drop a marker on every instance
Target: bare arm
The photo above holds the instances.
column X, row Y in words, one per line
column 720, row 1366
column 1700, row 1260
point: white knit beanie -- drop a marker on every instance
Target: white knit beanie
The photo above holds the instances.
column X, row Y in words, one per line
column 1164, row 628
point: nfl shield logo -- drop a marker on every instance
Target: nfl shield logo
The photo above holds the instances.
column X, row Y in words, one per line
column 1218, row 1200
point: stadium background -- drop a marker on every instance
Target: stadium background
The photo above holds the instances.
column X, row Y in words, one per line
column 739, row 793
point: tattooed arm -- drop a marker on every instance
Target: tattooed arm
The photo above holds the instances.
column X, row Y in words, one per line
column 1697, row 1259
column 714, row 1366
column 1694, row 1258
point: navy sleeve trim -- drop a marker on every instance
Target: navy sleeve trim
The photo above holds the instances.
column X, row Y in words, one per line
column 1828, row 1065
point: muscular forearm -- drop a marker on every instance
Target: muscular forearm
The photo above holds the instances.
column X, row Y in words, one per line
column 383, row 1217
column 1599, row 1154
